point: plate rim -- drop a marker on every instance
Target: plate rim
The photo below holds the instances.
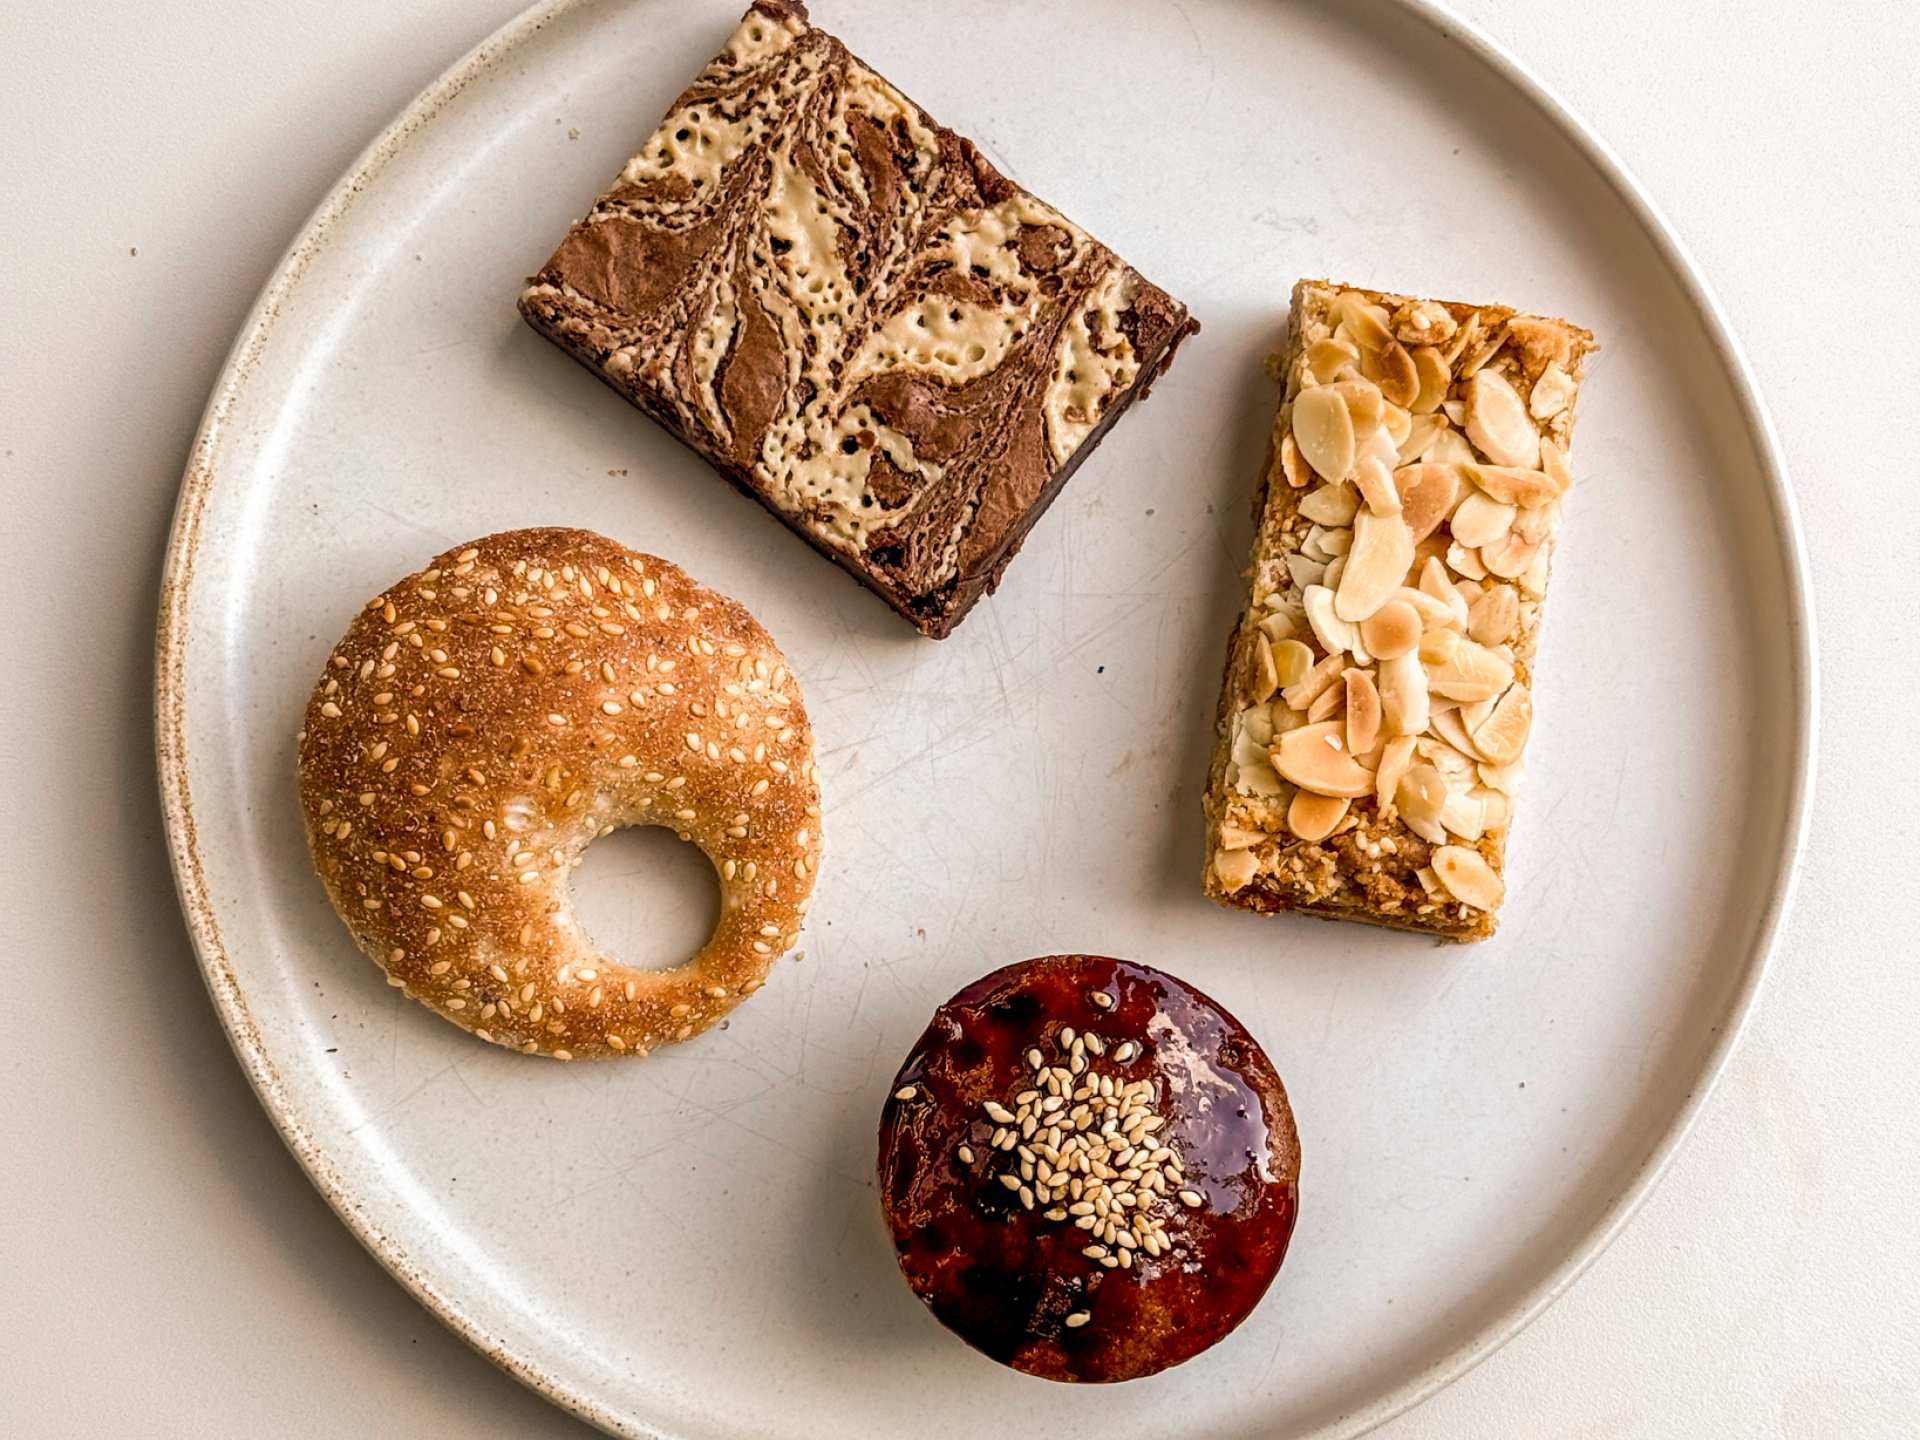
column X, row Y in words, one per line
column 172, row 634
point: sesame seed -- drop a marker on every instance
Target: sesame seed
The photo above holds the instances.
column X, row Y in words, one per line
column 906, row 1092
column 1078, row 1318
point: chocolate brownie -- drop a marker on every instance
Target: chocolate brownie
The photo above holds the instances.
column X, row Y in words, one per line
column 854, row 317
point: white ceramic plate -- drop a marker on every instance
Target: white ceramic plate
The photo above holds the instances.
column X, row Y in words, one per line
column 690, row 1245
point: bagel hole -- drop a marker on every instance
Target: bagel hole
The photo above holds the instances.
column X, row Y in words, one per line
column 647, row 898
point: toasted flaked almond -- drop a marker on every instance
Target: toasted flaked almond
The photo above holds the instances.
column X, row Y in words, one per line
column 1421, row 794
column 1291, row 662
column 1430, row 830
column 1279, row 625
column 1260, row 780
column 1491, row 618
column 1434, row 614
column 1428, row 494
column 1456, row 767
column 1291, row 465
column 1508, row 557
column 1366, row 321
column 1238, row 837
column 1335, row 567
column 1429, row 881
column 1393, row 370
column 1379, row 445
column 1552, row 393
column 1449, row 447
column 1326, row 358
column 1463, row 561
column 1299, row 696
column 1363, row 712
column 1330, row 504
column 1471, row 672
column 1503, row 734
column 1247, row 750
column 1396, row 758
column 1365, row 405
column 1323, row 429
column 1315, row 758
column 1511, row 486
column 1284, row 717
column 1553, row 461
column 1504, row 778
column 1538, row 522
column 1422, row 431
column 1382, row 551
column 1329, row 704
column 1496, row 809
column 1264, row 678
column 1446, row 722
column 1374, row 481
column 1392, row 630
column 1480, row 520
column 1397, row 422
column 1323, row 542
column 1257, row 721
column 1483, row 353
column 1467, row 877
column 1462, row 815
column 1533, row 582
column 1498, row 423
column 1424, row 322
column 1434, row 379
column 1333, row 633
column 1234, row 869
column 1466, row 337
column 1435, row 583
column 1312, row 817
column 1437, row 646
column 1402, row 682
column 1304, row 571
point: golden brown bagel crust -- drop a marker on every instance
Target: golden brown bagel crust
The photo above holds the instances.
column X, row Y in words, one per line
column 485, row 719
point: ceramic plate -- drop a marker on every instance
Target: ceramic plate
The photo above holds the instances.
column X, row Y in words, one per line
column 690, row 1245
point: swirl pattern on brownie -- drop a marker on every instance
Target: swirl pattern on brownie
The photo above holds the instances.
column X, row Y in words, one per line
column 852, row 314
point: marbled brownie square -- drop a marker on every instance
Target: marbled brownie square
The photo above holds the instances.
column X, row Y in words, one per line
column 854, row 317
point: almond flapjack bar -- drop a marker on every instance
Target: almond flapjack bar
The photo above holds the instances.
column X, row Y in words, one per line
column 1378, row 689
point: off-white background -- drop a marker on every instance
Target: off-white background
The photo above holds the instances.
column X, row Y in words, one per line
column 164, row 1267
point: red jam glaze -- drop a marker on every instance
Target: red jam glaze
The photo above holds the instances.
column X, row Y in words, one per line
column 1004, row 1278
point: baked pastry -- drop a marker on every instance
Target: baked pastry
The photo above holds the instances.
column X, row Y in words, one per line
column 485, row 720
column 853, row 317
column 1089, row 1168
column 1378, row 689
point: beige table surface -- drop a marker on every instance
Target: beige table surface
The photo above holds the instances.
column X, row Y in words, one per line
column 165, row 1268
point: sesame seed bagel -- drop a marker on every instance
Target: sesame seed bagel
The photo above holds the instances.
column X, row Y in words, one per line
column 485, row 720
